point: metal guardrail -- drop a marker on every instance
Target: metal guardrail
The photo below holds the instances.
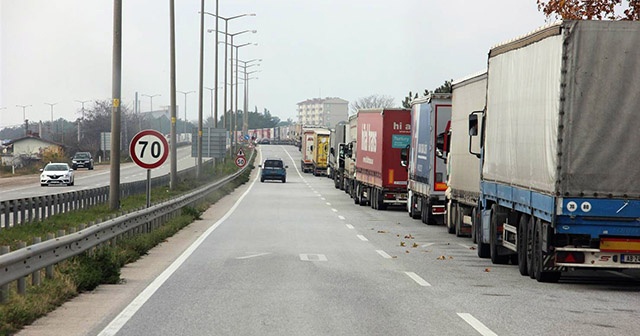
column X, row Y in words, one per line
column 31, row 209
column 22, row 262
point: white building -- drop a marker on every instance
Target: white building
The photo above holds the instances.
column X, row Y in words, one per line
column 323, row 111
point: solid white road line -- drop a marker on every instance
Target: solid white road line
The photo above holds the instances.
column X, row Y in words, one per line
column 140, row 300
column 363, row 238
column 383, row 254
column 420, row 281
column 427, row 244
column 477, row 325
column 349, row 226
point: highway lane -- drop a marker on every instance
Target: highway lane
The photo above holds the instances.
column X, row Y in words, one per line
column 301, row 259
column 23, row 187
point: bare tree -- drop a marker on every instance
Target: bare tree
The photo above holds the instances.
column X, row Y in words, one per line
column 372, row 101
column 590, row 9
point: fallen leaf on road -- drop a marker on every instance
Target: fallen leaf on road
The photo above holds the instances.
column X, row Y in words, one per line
column 472, row 248
column 408, row 237
column 441, row 258
column 407, row 251
column 402, row 243
column 487, row 270
column 450, row 257
column 382, row 231
column 394, row 257
column 415, row 245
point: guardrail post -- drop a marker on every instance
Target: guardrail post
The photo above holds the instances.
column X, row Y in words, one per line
column 14, row 208
column 22, row 282
column 4, row 289
column 35, row 276
column 49, row 269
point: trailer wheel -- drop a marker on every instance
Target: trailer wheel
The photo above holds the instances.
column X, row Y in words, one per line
column 459, row 219
column 373, row 198
column 496, row 218
column 423, row 210
column 483, row 249
column 523, row 246
column 538, row 257
column 380, row 200
column 449, row 218
column 413, row 204
column 530, row 243
column 360, row 195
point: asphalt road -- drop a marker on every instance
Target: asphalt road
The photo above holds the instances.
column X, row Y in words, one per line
column 300, row 258
column 29, row 186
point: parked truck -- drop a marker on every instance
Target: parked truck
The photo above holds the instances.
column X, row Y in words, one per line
column 560, row 184
column 336, row 154
column 349, row 177
column 426, row 158
column 306, row 147
column 381, row 136
column 463, row 180
column 320, row 151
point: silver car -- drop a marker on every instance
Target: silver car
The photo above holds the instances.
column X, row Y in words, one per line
column 56, row 173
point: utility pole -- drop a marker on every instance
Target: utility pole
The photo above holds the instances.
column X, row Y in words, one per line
column 114, row 183
column 201, row 89
column 173, row 178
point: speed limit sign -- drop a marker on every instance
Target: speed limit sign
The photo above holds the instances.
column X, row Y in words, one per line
column 149, row 149
column 241, row 161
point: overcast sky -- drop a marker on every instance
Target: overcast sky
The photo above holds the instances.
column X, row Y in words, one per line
column 60, row 51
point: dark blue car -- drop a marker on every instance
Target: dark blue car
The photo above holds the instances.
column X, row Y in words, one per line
column 273, row 169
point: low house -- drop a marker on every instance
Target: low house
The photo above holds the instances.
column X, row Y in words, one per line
column 29, row 148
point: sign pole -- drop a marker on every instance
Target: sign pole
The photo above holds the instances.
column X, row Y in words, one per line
column 148, row 188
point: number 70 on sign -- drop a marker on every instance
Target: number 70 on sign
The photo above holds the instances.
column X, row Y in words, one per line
column 149, row 149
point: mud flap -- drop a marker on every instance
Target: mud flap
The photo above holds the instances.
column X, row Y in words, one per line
column 485, row 226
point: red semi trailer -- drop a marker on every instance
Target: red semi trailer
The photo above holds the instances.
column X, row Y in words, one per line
column 380, row 178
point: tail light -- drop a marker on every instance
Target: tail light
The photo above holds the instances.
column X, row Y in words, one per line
column 568, row 257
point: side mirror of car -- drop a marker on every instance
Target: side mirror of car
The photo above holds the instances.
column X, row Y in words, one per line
column 259, row 166
column 41, row 170
column 286, row 167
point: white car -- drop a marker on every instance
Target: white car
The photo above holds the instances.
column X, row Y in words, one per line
column 56, row 173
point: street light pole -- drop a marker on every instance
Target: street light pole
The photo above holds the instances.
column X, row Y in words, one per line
column 245, row 116
column 24, row 117
column 185, row 109
column 226, row 29
column 51, row 127
column 81, row 120
column 151, row 100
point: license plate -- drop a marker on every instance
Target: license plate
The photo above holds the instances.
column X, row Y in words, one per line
column 630, row 259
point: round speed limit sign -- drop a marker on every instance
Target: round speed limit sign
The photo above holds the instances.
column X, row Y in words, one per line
column 241, row 161
column 149, row 149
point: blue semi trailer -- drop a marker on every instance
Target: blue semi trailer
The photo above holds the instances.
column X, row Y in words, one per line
column 560, row 146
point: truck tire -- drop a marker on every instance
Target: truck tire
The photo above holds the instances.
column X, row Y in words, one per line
column 380, row 200
column 496, row 217
column 459, row 220
column 373, row 198
column 451, row 216
column 530, row 242
column 474, row 222
column 484, row 250
column 413, row 204
column 523, row 224
column 363, row 201
column 538, row 257
column 423, row 210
